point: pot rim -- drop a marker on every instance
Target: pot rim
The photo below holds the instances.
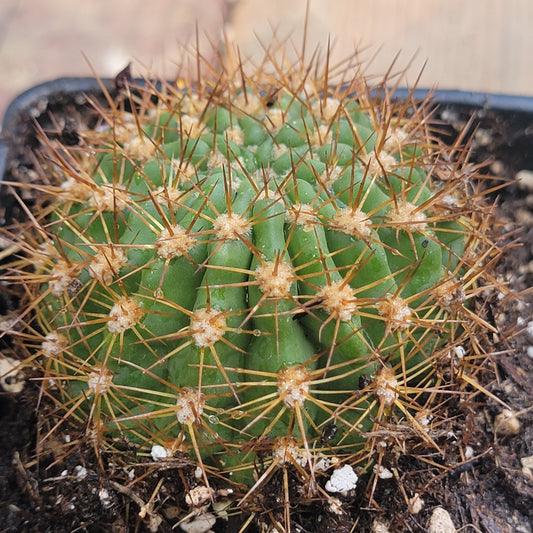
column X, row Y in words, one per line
column 27, row 101
column 33, row 102
column 493, row 101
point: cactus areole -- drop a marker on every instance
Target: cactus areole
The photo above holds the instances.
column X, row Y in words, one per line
column 256, row 271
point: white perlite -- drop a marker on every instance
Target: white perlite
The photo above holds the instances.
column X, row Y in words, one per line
column 529, row 352
column 80, row 472
column 342, row 480
column 160, row 452
column 527, row 466
column 382, row 472
column 105, row 498
column 416, row 503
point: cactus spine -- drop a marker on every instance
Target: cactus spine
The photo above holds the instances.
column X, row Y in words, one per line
column 258, row 269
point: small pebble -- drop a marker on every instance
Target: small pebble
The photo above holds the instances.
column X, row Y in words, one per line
column 199, row 496
column 506, row 423
column 441, row 522
column 11, row 377
column 380, row 527
column 527, row 466
column 416, row 503
column 200, row 524
column 525, row 178
column 524, row 217
column 469, row 452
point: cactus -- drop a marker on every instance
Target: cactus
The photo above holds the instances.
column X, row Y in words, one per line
column 257, row 272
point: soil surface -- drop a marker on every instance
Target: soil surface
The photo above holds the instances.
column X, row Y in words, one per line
column 484, row 479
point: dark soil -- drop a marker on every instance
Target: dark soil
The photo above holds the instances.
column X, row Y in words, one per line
column 48, row 490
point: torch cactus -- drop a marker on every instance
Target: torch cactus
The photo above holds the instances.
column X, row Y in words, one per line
column 254, row 266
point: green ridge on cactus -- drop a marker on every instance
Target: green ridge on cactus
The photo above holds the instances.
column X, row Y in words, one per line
column 224, row 271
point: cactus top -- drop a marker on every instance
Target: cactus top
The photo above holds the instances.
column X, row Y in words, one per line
column 238, row 269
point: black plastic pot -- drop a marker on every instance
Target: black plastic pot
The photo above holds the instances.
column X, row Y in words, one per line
column 62, row 102
column 66, row 98
column 507, row 118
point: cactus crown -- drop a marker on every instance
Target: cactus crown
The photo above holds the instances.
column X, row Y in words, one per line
column 258, row 272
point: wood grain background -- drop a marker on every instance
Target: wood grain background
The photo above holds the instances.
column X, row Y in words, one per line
column 478, row 45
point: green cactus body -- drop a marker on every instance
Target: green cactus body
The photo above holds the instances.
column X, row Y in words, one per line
column 231, row 269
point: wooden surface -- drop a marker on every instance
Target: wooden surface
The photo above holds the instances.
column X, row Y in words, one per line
column 478, row 45
column 481, row 45
column 46, row 39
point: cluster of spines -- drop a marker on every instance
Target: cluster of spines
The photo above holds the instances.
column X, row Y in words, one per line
column 162, row 189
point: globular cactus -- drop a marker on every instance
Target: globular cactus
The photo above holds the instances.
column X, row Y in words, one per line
column 258, row 271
